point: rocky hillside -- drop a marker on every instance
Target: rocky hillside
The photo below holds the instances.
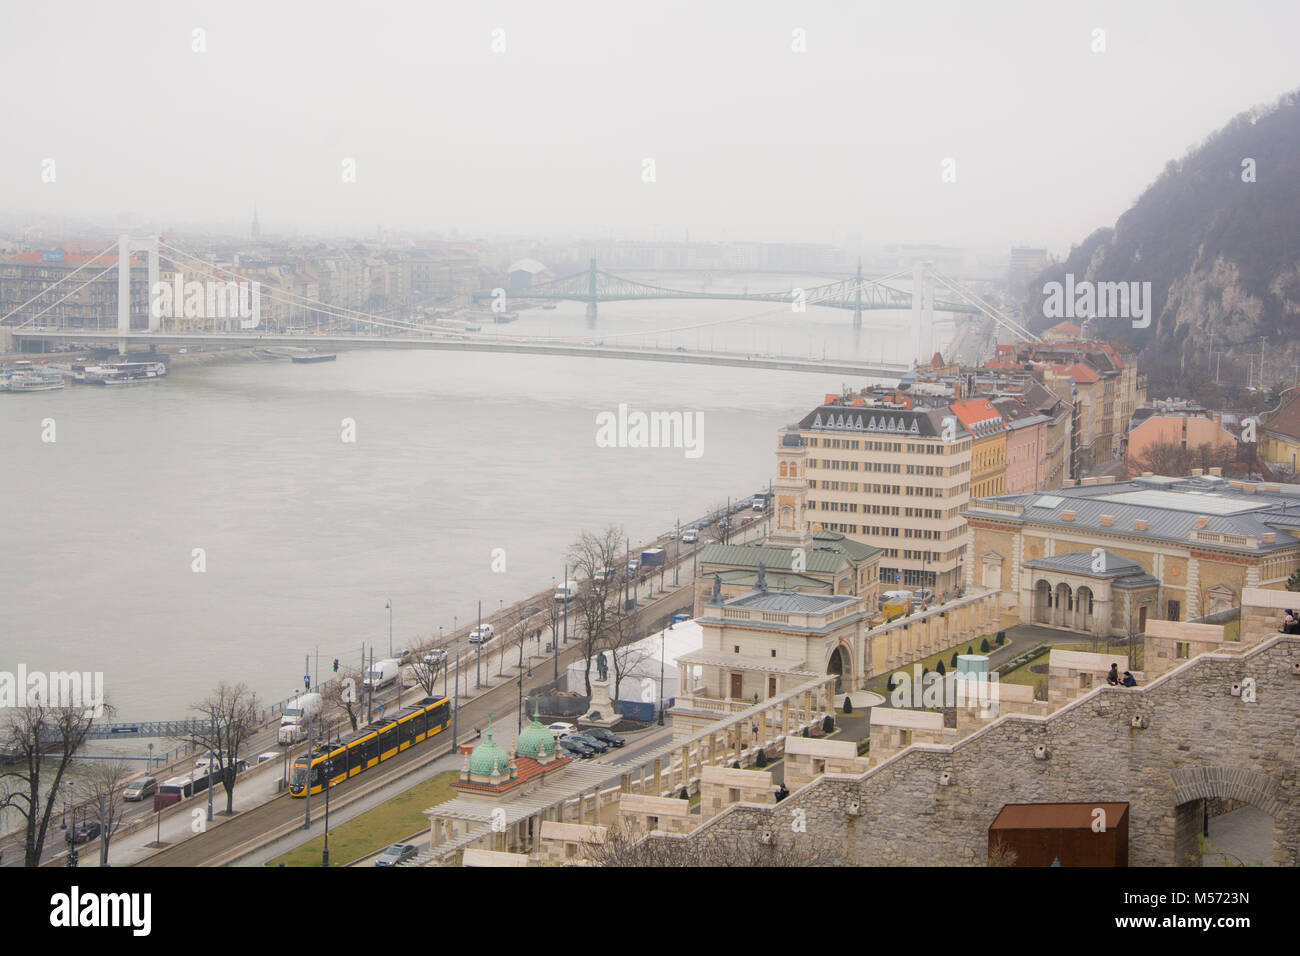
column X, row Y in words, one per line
column 1222, row 254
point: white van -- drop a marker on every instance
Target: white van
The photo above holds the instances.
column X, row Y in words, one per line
column 566, row 592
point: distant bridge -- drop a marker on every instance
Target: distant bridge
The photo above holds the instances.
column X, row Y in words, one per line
column 857, row 293
column 678, row 356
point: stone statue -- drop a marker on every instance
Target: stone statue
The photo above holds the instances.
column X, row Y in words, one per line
column 717, row 589
column 762, row 577
column 602, row 667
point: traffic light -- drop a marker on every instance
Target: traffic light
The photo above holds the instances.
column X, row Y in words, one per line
column 336, row 665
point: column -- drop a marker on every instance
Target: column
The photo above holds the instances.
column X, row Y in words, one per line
column 658, row 776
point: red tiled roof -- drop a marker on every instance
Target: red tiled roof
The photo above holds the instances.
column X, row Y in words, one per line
column 527, row 767
column 1287, row 420
column 1078, row 371
column 1065, row 328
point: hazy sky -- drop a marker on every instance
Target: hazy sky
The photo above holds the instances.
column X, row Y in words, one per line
column 749, row 139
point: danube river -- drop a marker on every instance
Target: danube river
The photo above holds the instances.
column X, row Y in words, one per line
column 306, row 536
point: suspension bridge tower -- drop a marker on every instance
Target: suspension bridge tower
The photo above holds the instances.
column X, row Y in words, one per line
column 125, row 246
column 591, row 295
column 923, row 309
column 857, row 298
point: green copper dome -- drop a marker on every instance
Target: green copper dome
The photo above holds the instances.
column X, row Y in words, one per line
column 536, row 741
column 489, row 759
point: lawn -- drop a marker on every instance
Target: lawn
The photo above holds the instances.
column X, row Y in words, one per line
column 930, row 663
column 375, row 829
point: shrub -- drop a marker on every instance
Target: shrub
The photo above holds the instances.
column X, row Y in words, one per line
column 805, row 732
column 954, row 660
column 760, row 759
column 940, row 668
column 1002, row 637
column 848, row 704
column 735, row 765
column 984, row 646
column 969, row 651
column 828, row 724
column 684, row 795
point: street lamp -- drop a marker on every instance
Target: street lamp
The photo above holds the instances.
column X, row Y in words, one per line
column 329, row 774
column 389, row 606
column 663, row 651
column 521, row 700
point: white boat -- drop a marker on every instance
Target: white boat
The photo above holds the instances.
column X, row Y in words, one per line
column 30, row 381
column 125, row 373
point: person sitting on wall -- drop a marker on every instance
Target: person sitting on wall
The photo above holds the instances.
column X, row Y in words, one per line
column 1290, row 623
column 782, row 793
column 1129, row 680
column 1113, row 676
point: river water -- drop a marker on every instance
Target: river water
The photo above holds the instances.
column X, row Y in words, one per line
column 306, row 536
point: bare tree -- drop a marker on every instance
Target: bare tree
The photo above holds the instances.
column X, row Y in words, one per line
column 32, row 733
column 228, row 720
column 427, row 667
column 626, row 845
column 344, row 694
column 620, row 641
column 105, row 780
column 590, row 556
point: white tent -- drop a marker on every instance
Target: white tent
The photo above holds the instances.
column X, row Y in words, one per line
column 641, row 682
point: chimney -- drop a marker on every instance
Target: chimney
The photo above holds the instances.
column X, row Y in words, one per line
column 1197, row 472
column 1249, row 489
column 1067, row 515
column 1067, row 483
column 1088, row 481
column 1268, row 537
column 1273, row 488
column 1200, row 521
column 1139, row 524
column 1107, row 520
column 1217, row 472
column 1148, row 474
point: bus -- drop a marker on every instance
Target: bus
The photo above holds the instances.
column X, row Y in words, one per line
column 374, row 743
column 176, row 789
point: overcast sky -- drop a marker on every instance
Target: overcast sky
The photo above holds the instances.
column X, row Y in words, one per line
column 749, row 139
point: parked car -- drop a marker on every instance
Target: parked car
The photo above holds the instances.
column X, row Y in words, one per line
column 922, row 597
column 435, row 657
column 481, row 634
column 577, row 749
column 397, row 853
column 139, row 789
column 84, row 832
column 605, row 736
column 690, row 536
column 560, row 730
column 403, row 657
column 583, row 738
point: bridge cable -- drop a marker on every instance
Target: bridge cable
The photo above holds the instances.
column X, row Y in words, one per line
column 56, row 284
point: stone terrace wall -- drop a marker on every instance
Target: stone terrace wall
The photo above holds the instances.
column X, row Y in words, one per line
column 1199, row 741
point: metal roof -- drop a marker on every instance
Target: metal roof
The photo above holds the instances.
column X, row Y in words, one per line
column 1082, row 562
column 797, row 602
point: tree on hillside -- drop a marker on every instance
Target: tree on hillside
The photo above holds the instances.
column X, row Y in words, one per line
column 626, row 845
column 42, row 740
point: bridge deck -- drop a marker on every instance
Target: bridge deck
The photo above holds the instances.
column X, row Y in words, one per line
column 254, row 340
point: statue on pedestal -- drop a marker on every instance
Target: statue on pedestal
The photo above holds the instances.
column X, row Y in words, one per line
column 602, row 667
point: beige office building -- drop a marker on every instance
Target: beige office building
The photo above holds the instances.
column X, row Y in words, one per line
column 888, row 476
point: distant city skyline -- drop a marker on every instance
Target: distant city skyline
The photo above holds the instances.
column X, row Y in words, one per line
column 520, row 121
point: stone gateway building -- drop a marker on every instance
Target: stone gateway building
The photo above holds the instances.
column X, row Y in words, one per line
column 1104, row 558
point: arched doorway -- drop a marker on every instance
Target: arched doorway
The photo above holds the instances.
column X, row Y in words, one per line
column 841, row 666
column 1063, row 606
column 1083, row 610
column 1239, row 808
column 1042, row 602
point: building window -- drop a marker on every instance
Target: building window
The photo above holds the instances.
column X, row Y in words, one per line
column 1182, row 650
column 774, row 652
column 736, row 648
column 1174, row 610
